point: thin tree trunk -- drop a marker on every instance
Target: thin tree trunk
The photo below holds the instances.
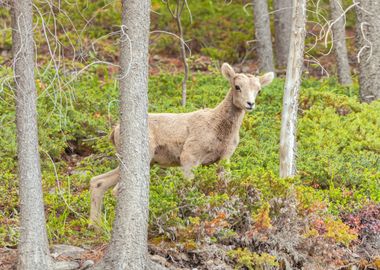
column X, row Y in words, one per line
column 183, row 50
column 339, row 42
column 288, row 148
column 368, row 29
column 263, row 35
column 176, row 14
column 128, row 248
column 33, row 246
column 282, row 28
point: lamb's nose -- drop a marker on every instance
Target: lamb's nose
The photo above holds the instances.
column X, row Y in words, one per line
column 250, row 104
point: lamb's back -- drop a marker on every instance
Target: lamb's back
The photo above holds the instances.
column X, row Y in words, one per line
column 168, row 134
column 174, row 126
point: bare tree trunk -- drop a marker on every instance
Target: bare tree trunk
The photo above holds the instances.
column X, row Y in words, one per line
column 128, row 248
column 288, row 147
column 33, row 247
column 368, row 29
column 282, row 28
column 183, row 50
column 263, row 35
column 176, row 14
column 339, row 42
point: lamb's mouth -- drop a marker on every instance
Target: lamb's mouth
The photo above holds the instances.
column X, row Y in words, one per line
column 249, row 109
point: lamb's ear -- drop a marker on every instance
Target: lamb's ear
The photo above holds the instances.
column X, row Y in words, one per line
column 227, row 71
column 266, row 79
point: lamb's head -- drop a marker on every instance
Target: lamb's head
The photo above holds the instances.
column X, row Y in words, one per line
column 245, row 87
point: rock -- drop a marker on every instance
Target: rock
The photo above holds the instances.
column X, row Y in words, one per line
column 155, row 266
column 184, row 257
column 66, row 265
column 222, row 266
column 210, row 262
column 158, row 259
column 87, row 264
column 67, row 250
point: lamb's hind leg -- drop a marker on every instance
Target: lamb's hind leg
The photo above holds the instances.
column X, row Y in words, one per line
column 98, row 186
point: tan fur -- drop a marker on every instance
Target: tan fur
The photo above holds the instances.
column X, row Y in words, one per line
column 191, row 139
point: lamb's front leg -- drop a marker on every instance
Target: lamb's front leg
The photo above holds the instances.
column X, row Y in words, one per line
column 188, row 163
column 223, row 171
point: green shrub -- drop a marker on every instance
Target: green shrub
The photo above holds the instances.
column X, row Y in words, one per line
column 338, row 155
column 252, row 260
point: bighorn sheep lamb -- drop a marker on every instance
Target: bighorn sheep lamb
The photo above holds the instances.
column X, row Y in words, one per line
column 190, row 139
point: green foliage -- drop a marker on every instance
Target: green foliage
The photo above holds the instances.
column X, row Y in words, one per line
column 338, row 137
column 252, row 260
column 339, row 145
column 86, row 29
column 338, row 159
column 225, row 37
column 339, row 232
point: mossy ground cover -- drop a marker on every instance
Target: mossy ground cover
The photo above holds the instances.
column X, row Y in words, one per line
column 338, row 164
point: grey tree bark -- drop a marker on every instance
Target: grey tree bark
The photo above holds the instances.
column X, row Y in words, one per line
column 128, row 248
column 339, row 42
column 282, row 28
column 263, row 35
column 33, row 249
column 368, row 29
column 288, row 147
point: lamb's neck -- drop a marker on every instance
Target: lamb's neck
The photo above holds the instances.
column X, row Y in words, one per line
column 228, row 116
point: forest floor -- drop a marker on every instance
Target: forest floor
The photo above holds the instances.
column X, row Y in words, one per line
column 328, row 217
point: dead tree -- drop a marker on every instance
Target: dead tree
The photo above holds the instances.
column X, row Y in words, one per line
column 176, row 14
column 33, row 247
column 282, row 28
column 263, row 35
column 368, row 29
column 339, row 42
column 292, row 84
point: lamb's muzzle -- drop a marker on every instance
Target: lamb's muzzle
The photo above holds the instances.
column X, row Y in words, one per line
column 191, row 139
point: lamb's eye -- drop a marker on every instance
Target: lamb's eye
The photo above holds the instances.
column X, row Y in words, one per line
column 237, row 87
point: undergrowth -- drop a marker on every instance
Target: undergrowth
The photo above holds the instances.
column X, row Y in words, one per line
column 338, row 166
column 222, row 30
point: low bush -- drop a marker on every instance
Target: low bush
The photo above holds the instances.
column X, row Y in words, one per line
column 338, row 162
